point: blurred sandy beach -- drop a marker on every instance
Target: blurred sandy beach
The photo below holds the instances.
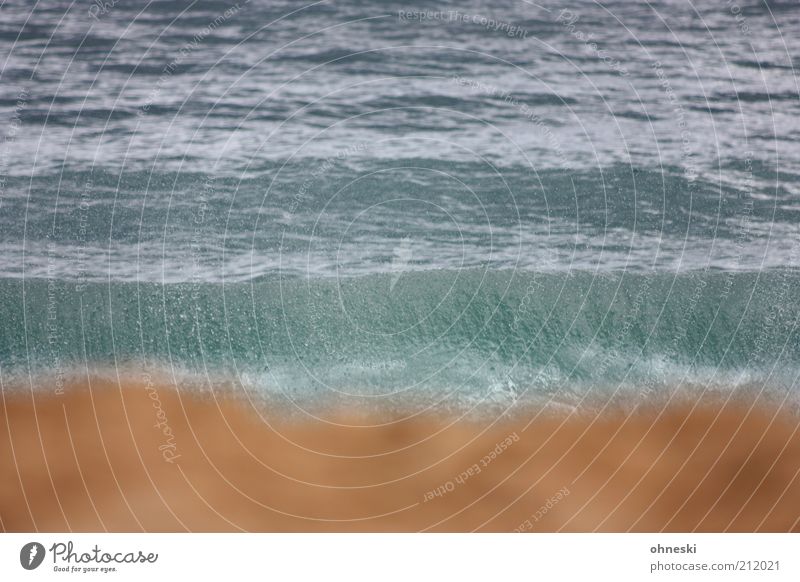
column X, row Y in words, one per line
column 105, row 456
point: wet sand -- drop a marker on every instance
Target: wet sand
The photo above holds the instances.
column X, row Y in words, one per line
column 150, row 457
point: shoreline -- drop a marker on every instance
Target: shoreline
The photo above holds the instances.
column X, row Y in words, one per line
column 108, row 458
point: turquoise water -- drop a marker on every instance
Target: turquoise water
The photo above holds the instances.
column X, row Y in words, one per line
column 467, row 336
column 394, row 203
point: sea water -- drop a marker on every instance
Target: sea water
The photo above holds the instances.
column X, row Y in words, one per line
column 462, row 205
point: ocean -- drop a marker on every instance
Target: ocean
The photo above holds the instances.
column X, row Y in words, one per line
column 460, row 206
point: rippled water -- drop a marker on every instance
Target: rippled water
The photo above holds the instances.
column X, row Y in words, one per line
column 394, row 198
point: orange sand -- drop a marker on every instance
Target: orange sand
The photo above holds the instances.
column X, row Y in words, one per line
column 90, row 460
